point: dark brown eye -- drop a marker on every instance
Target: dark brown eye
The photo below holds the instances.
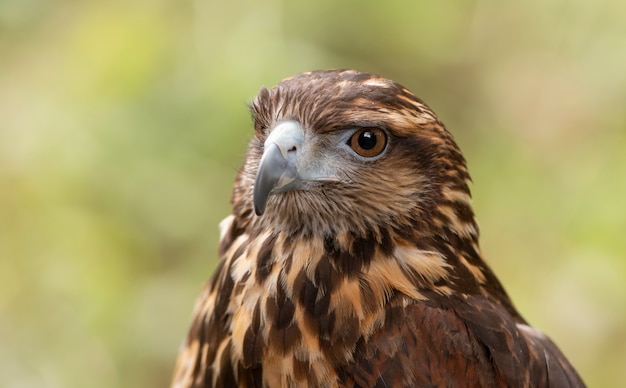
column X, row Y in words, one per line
column 368, row 142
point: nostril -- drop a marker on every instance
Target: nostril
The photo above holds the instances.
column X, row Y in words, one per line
column 292, row 149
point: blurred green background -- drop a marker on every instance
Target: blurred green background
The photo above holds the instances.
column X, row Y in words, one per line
column 123, row 123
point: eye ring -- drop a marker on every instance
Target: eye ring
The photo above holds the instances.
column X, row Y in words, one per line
column 368, row 142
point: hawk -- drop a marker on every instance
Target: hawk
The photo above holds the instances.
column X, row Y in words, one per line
column 351, row 258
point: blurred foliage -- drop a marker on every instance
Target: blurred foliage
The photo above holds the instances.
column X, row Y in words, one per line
column 123, row 123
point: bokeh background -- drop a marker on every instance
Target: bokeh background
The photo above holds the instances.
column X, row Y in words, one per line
column 123, row 123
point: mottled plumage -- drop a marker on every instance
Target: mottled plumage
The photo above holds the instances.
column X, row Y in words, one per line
column 351, row 257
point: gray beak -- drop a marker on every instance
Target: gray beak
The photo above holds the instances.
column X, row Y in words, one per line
column 278, row 166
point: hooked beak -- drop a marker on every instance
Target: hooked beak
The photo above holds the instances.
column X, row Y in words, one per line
column 278, row 166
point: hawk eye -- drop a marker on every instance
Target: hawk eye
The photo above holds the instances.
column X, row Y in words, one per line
column 368, row 142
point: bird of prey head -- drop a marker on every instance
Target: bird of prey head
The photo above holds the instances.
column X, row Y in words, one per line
column 351, row 257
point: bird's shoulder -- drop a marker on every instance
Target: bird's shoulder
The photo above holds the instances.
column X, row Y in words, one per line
column 466, row 340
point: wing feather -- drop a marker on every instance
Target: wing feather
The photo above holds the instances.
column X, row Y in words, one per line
column 471, row 342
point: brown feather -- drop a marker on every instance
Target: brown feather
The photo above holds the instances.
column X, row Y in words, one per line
column 374, row 279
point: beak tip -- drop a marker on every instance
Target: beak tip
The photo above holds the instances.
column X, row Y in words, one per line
column 260, row 195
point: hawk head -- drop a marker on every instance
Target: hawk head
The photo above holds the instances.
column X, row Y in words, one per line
column 353, row 146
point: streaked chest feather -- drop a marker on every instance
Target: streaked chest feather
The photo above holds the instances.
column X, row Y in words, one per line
column 296, row 311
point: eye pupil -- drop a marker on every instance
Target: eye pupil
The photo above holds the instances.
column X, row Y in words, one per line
column 367, row 140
